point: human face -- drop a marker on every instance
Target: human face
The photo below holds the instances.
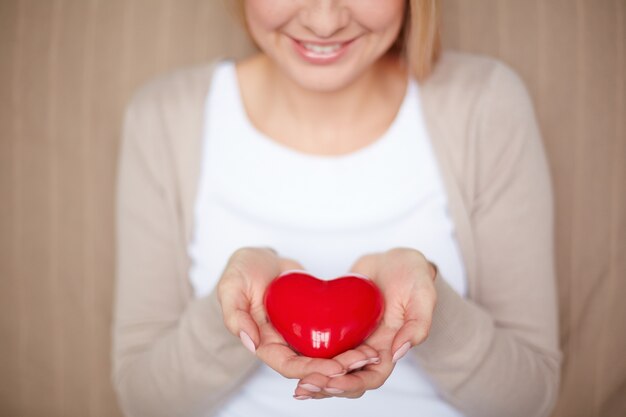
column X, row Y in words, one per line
column 324, row 45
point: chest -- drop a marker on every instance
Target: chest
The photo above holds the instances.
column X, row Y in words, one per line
column 324, row 212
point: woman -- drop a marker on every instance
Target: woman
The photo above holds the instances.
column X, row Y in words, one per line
column 348, row 143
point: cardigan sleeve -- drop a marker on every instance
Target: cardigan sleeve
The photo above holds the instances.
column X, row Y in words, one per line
column 172, row 355
column 497, row 354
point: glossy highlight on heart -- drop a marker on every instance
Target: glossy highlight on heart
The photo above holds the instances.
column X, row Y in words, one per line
column 322, row 319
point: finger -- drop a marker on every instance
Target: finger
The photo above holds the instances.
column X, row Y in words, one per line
column 248, row 330
column 314, row 396
column 275, row 352
column 235, row 308
column 240, row 323
column 358, row 357
column 317, row 384
column 311, row 384
column 412, row 333
column 269, row 334
column 369, row 351
column 289, row 364
column 286, row 264
column 418, row 319
column 241, row 287
column 347, row 386
column 382, row 338
column 355, row 384
column 366, row 265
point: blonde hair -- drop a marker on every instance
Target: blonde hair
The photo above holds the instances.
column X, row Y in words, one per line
column 420, row 37
column 419, row 40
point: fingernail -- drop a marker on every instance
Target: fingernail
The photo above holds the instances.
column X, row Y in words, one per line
column 402, row 350
column 373, row 361
column 310, row 387
column 359, row 364
column 302, row 397
column 333, row 391
column 339, row 374
column 247, row 341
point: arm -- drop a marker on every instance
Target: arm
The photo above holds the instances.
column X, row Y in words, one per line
column 171, row 355
column 498, row 353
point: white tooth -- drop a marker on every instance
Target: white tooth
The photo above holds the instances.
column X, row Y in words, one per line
column 322, row 49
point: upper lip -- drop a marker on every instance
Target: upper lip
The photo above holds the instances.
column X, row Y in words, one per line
column 323, row 43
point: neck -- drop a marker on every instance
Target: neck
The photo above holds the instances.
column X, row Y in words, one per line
column 325, row 122
column 336, row 109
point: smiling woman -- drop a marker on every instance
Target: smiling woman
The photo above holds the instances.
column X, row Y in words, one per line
column 348, row 145
column 417, row 36
column 328, row 46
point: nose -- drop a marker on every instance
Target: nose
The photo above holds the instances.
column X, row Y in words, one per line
column 324, row 18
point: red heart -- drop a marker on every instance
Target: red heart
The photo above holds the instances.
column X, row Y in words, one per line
column 322, row 319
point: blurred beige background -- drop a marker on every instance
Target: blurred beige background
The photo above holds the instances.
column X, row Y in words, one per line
column 67, row 67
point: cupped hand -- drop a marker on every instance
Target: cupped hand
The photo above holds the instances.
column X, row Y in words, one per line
column 406, row 279
column 241, row 290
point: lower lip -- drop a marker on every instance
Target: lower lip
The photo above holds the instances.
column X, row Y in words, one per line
column 321, row 59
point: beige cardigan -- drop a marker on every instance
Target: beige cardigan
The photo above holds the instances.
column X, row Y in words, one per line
column 493, row 354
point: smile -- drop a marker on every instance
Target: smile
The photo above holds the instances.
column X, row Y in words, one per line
column 321, row 53
column 322, row 49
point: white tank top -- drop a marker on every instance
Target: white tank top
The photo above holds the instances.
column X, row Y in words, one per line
column 325, row 212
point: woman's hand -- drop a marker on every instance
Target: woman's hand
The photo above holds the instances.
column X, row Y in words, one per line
column 406, row 279
column 241, row 290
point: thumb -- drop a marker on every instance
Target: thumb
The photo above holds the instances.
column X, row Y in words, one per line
column 417, row 322
column 249, row 331
column 238, row 318
column 412, row 333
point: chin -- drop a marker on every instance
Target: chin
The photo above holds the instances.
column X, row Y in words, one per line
column 326, row 79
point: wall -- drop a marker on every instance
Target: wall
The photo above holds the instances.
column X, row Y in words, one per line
column 68, row 66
